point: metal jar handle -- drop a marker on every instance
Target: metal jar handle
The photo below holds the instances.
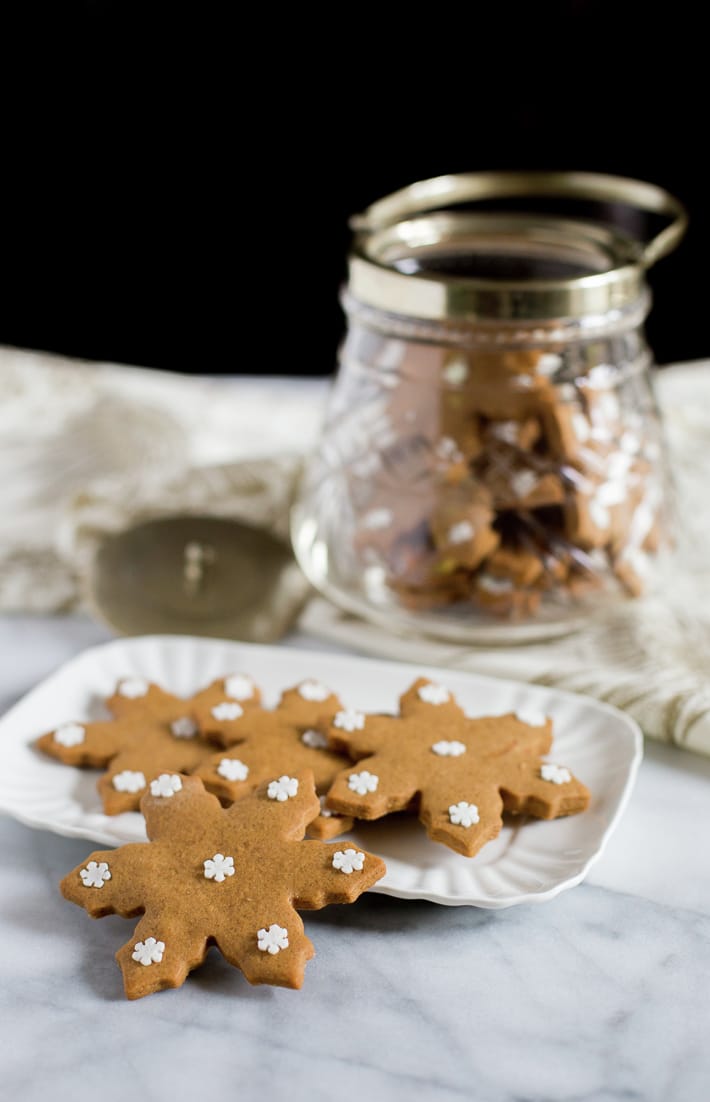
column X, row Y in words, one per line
column 444, row 191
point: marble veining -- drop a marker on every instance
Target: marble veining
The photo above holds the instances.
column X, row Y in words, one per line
column 599, row 995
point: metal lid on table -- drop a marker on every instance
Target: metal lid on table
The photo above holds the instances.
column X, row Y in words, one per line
column 197, row 575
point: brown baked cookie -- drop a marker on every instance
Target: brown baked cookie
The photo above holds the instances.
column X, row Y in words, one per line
column 522, row 566
column 501, row 596
column 269, row 744
column 152, row 731
column 233, row 878
column 461, row 525
column 460, row 773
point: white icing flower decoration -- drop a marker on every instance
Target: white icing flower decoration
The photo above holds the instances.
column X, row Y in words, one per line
column 461, row 532
column 377, row 520
column 149, row 951
column 532, row 717
column 217, row 868
column 433, row 694
column 599, row 515
column 167, row 784
column 314, row 691
column 282, row 789
column 228, row 709
column 495, row 586
column 128, row 781
column 447, row 449
column 272, row 940
column 184, row 727
column 556, row 774
column 349, row 721
column 133, row 687
column 507, row 431
column 95, row 873
column 239, row 686
column 456, row 371
column 523, row 483
column 315, row 739
column 70, row 734
column 348, row 860
column 449, row 748
column 232, row 769
column 581, row 427
column 362, row 783
column 325, row 810
column 463, row 814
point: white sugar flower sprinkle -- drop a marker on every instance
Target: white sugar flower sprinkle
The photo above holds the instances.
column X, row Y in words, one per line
column 581, row 427
column 272, row 940
column 449, row 748
column 325, row 810
column 167, row 784
column 433, row 694
column 548, row 364
column 70, row 734
column 282, row 789
column 349, row 721
column 232, row 769
column 95, row 873
column 219, row 867
column 532, row 716
column 128, row 781
column 184, row 727
column 377, row 520
column 227, row 710
column 362, row 783
column 315, row 739
column 463, row 814
column 461, row 532
column 496, row 587
column 149, row 951
column 556, row 774
column 348, row 860
column 599, row 515
column 314, row 691
column 456, row 371
column 447, row 450
column 239, row 686
column 133, row 687
column 507, row 431
column 523, row 483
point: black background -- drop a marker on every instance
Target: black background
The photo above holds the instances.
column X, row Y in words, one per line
column 176, row 182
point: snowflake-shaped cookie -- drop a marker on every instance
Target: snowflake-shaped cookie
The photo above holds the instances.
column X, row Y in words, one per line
column 152, row 732
column 232, row 877
column 460, row 773
column 273, row 745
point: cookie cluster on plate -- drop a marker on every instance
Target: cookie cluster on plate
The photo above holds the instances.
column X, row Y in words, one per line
column 229, row 790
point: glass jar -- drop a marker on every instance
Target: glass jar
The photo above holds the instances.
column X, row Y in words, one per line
column 492, row 464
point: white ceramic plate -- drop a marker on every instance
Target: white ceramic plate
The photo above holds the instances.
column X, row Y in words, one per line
column 529, row 861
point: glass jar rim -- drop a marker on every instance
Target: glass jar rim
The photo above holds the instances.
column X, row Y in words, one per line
column 397, row 237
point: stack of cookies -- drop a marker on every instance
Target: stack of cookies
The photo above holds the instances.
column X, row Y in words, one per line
column 488, row 479
column 230, row 789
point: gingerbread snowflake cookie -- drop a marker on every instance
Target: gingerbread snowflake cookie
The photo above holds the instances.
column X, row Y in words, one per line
column 234, row 878
column 260, row 744
column 152, row 731
column 460, row 773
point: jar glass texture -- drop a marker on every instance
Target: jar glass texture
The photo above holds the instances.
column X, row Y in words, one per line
column 492, row 478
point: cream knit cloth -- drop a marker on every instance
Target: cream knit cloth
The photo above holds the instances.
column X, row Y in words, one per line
column 87, row 449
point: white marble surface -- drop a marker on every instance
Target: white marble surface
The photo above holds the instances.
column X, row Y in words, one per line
column 601, row 994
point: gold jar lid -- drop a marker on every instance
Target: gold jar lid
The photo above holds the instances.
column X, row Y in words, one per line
column 415, row 256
